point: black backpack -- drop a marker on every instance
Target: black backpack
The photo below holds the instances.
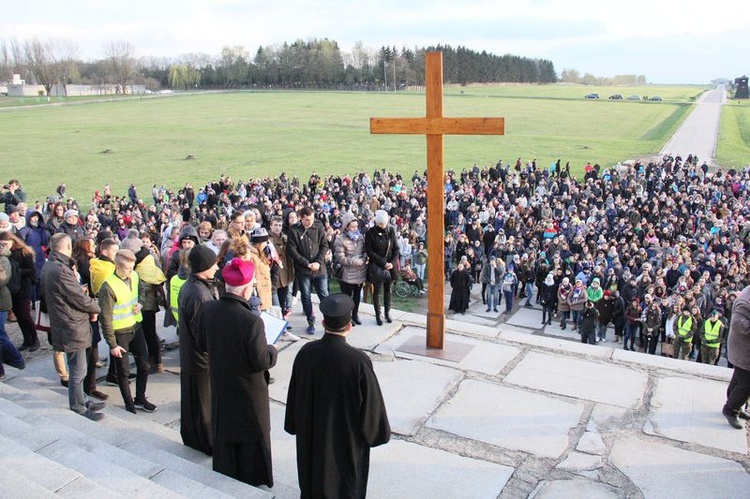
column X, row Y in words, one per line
column 14, row 284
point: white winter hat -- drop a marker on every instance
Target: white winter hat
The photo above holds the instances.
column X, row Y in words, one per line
column 381, row 217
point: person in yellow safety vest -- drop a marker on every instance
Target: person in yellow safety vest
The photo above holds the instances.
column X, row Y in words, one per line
column 121, row 324
column 712, row 336
column 176, row 283
column 100, row 268
column 685, row 328
column 174, row 292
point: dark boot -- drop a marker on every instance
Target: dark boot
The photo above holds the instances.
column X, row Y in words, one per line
column 388, row 316
column 377, row 316
column 355, row 319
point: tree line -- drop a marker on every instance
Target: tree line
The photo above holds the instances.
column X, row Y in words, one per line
column 308, row 64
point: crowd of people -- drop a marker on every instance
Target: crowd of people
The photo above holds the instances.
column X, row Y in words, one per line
column 657, row 250
column 663, row 237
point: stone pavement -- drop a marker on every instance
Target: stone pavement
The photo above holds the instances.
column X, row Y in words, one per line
column 520, row 414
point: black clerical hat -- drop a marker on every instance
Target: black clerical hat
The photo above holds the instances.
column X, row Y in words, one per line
column 337, row 311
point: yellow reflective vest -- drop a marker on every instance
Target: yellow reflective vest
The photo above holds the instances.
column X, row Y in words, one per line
column 123, row 315
column 175, row 284
column 711, row 333
column 99, row 270
column 684, row 326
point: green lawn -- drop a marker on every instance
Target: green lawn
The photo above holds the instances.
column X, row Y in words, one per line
column 254, row 134
column 733, row 148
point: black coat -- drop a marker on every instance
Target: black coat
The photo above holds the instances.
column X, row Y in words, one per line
column 461, row 284
column 306, row 246
column 381, row 248
column 28, row 272
column 240, row 358
column 193, row 295
column 336, row 410
column 195, row 388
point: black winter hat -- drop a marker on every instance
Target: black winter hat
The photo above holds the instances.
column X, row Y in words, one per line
column 201, row 258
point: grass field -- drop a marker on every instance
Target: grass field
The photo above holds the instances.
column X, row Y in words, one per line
column 254, row 134
column 733, row 148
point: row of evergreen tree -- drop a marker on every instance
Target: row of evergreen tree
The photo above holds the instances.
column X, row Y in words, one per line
column 320, row 63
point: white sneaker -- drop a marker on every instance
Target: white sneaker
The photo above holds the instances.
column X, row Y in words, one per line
column 604, row 340
column 289, row 336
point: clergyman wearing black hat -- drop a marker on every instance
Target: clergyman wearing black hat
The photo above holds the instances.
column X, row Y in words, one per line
column 195, row 391
column 333, row 446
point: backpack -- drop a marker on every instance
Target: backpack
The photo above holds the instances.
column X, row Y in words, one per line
column 14, row 284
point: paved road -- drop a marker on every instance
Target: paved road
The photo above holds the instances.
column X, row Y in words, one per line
column 699, row 131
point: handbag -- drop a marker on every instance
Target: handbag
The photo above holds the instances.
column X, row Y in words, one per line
column 338, row 270
column 42, row 321
column 380, row 274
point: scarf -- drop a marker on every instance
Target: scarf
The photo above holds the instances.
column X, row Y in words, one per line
column 353, row 235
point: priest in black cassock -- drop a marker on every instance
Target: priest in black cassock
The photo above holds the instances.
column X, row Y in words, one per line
column 239, row 361
column 335, row 408
column 195, row 387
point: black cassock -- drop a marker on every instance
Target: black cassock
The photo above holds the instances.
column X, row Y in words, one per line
column 195, row 388
column 240, row 414
column 461, row 284
column 336, row 410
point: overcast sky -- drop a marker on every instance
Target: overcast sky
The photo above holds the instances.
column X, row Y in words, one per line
column 665, row 40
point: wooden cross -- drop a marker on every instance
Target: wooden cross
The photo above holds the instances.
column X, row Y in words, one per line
column 435, row 126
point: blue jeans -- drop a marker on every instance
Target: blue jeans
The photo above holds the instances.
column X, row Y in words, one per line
column 529, row 292
column 601, row 330
column 576, row 317
column 630, row 331
column 76, row 373
column 564, row 317
column 508, row 300
column 492, row 301
column 9, row 354
column 320, row 282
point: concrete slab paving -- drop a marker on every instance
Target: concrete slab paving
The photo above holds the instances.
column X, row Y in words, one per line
column 574, row 488
column 530, row 318
column 614, row 385
column 518, row 335
column 369, row 334
column 591, row 443
column 486, row 357
column 660, row 470
column 509, row 418
column 394, row 466
column 412, row 390
column 610, row 418
column 490, row 320
column 463, row 327
column 579, row 461
column 689, row 410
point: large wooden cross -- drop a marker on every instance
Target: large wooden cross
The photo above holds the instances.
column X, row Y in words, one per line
column 435, row 126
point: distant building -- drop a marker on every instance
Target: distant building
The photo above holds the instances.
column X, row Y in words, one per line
column 18, row 88
column 741, row 85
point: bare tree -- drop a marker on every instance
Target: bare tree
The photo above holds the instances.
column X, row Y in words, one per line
column 121, row 63
column 50, row 62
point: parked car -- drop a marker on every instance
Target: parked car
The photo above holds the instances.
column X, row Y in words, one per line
column 591, row 96
column 634, row 97
column 615, row 97
column 655, row 98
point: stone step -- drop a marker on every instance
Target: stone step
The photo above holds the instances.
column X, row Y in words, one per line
column 121, row 436
column 29, row 474
column 45, row 432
